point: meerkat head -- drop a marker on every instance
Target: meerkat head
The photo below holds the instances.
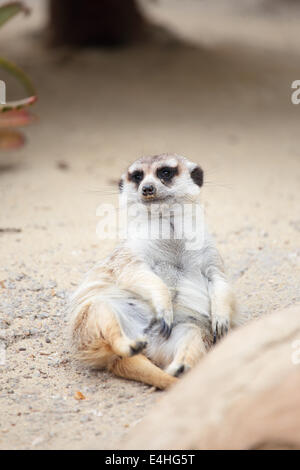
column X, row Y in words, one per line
column 165, row 178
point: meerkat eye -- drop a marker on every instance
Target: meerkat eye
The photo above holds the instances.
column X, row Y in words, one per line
column 166, row 173
column 136, row 176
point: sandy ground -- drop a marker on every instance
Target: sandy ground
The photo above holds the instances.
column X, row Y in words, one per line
column 224, row 101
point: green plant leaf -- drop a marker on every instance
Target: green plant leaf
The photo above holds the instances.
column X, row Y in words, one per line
column 11, row 139
column 8, row 10
column 12, row 114
column 19, row 74
column 25, row 80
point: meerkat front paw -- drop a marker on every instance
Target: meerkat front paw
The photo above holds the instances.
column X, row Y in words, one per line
column 161, row 324
column 125, row 347
column 222, row 310
column 165, row 318
column 137, row 346
column 220, row 327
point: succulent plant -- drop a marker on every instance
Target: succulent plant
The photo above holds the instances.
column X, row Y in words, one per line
column 14, row 114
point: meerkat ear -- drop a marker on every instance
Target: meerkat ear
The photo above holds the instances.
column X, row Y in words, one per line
column 197, row 175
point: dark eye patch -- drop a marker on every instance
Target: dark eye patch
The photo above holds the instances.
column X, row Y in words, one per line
column 197, row 176
column 166, row 173
column 136, row 176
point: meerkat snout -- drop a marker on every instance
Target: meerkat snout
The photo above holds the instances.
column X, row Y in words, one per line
column 148, row 190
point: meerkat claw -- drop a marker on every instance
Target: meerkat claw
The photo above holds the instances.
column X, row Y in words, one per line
column 162, row 326
column 138, row 347
column 152, row 323
column 220, row 329
column 215, row 337
column 166, row 329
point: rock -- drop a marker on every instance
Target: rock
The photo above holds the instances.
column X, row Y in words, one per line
column 51, row 285
column 10, row 285
column 4, row 324
column 243, row 395
column 35, row 287
column 85, row 419
column 61, row 294
column 42, row 316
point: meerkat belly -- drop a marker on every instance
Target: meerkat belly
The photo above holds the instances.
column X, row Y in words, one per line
column 181, row 272
column 169, row 273
column 189, row 290
column 192, row 297
column 165, row 260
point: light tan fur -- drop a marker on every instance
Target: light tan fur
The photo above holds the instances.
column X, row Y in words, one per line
column 140, row 368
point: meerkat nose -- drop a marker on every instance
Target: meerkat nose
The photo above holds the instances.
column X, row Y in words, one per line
column 148, row 190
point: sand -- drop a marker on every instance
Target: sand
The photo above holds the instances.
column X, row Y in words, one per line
column 222, row 98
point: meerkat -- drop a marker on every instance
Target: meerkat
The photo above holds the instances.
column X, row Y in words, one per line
column 152, row 309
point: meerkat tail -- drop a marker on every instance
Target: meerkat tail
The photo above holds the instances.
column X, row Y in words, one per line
column 139, row 368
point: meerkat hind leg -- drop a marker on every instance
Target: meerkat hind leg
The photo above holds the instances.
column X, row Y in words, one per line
column 141, row 369
column 189, row 351
column 114, row 335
